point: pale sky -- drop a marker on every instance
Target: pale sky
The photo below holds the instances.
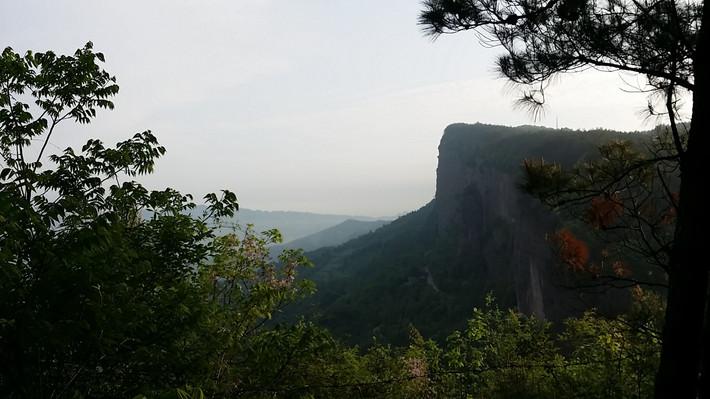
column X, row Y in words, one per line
column 329, row 106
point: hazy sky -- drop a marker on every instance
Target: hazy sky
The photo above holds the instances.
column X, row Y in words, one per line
column 331, row 106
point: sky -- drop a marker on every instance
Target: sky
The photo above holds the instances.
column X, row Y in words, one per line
column 328, row 106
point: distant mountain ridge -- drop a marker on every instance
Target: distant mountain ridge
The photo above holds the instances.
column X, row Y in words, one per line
column 333, row 236
column 292, row 224
column 479, row 235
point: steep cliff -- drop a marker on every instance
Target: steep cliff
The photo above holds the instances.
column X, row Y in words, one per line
column 479, row 235
column 500, row 229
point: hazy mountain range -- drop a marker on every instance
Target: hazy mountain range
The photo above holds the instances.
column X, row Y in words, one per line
column 295, row 225
column 333, row 236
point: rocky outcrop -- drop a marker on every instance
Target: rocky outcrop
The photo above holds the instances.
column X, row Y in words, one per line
column 501, row 229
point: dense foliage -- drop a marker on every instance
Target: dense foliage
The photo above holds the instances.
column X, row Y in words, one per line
column 95, row 299
column 499, row 354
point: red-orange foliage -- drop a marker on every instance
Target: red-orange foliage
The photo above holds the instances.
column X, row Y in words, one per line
column 572, row 251
column 604, row 211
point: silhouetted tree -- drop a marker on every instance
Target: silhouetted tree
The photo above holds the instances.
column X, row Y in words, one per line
column 628, row 196
column 667, row 42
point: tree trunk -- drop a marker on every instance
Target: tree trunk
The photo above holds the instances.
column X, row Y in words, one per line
column 681, row 356
column 705, row 364
column 682, row 335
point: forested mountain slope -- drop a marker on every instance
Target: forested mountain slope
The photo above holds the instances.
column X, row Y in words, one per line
column 479, row 235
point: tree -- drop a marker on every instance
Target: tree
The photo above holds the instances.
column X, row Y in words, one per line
column 628, row 196
column 667, row 42
column 108, row 289
column 88, row 284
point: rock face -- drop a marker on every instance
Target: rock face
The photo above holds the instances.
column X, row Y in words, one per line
column 500, row 228
column 481, row 234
